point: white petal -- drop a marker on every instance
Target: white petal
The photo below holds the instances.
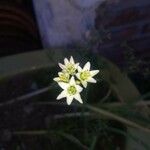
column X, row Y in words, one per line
column 92, row 80
column 71, row 60
column 60, row 73
column 63, row 85
column 94, row 72
column 61, row 66
column 72, row 81
column 84, row 83
column 79, row 88
column 69, row 100
column 79, row 69
column 61, row 95
column 78, row 75
column 76, row 65
column 66, row 61
column 87, row 66
column 78, row 98
column 56, row 79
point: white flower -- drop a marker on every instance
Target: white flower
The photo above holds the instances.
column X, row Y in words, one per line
column 69, row 66
column 71, row 91
column 85, row 75
column 73, row 78
column 63, row 77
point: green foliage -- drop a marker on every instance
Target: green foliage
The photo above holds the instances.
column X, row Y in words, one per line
column 93, row 131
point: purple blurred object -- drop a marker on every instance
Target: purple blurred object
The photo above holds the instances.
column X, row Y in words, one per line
column 127, row 22
column 65, row 22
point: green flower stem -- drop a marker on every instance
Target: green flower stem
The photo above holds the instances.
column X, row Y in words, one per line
column 84, row 112
column 94, row 141
column 27, row 96
column 69, row 137
column 113, row 104
column 71, row 115
column 117, row 93
column 35, row 132
column 128, row 135
column 116, row 117
column 106, row 97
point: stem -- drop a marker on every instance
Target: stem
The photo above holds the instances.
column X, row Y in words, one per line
column 70, row 115
column 37, row 132
column 27, row 96
column 83, row 113
column 140, row 103
column 44, row 132
column 114, row 104
column 92, row 147
column 117, row 93
column 106, row 97
column 118, row 118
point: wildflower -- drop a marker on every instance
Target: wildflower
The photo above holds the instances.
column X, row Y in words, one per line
column 73, row 78
column 85, row 75
column 71, row 91
column 69, row 66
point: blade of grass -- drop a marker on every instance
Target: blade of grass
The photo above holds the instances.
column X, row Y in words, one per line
column 110, row 115
column 92, row 147
column 67, row 136
column 128, row 135
column 27, row 96
column 73, row 139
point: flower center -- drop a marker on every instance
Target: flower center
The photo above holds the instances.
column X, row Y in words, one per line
column 72, row 90
column 85, row 75
column 64, row 77
column 70, row 69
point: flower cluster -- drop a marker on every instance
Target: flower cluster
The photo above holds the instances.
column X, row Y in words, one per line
column 72, row 79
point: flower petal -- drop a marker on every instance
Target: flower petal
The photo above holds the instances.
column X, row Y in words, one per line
column 94, row 72
column 84, row 83
column 92, row 80
column 60, row 73
column 56, row 79
column 71, row 60
column 76, row 65
column 72, row 81
column 87, row 66
column 61, row 95
column 78, row 75
column 61, row 66
column 69, row 100
column 78, row 98
column 66, row 61
column 63, row 85
column 79, row 69
column 79, row 88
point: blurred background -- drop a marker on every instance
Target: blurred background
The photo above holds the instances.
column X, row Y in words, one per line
column 37, row 34
column 18, row 28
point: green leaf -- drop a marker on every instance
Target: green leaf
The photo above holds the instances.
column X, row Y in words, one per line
column 92, row 147
column 139, row 140
column 101, row 112
column 128, row 135
column 72, row 139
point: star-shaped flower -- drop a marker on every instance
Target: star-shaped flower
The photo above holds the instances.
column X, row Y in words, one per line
column 69, row 66
column 63, row 77
column 71, row 91
column 85, row 75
